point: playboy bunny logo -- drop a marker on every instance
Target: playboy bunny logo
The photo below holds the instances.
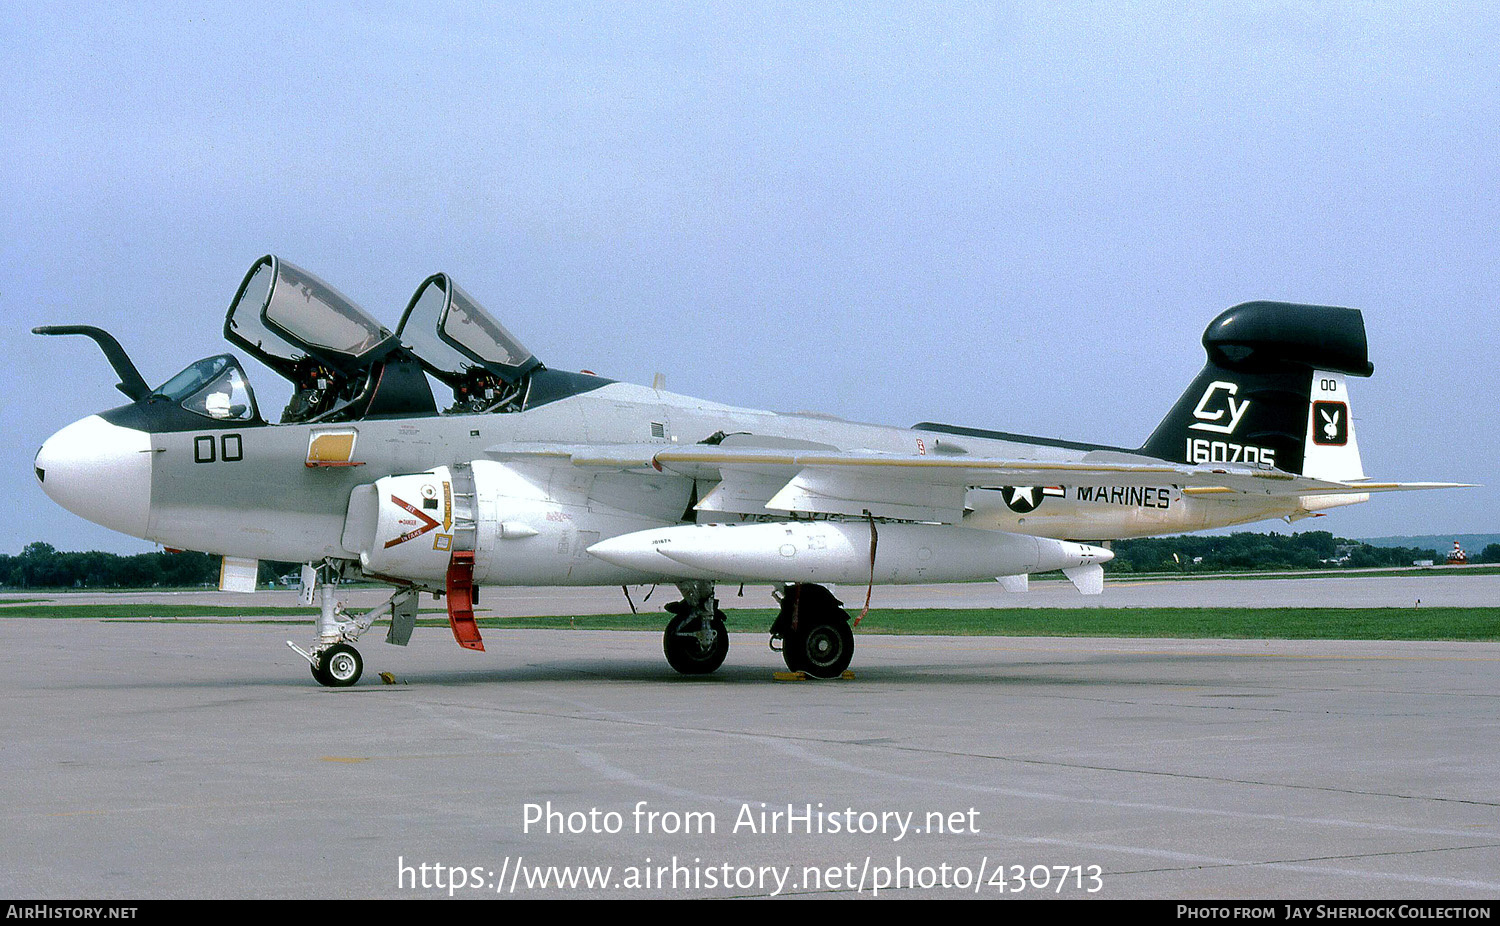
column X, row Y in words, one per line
column 1331, row 424
column 1331, row 420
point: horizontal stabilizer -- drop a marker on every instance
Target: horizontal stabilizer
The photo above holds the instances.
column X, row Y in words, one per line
column 1403, row 486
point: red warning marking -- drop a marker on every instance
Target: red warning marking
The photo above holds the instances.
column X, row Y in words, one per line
column 428, row 523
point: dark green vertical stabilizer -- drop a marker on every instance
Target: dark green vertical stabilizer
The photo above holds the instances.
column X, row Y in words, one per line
column 1250, row 403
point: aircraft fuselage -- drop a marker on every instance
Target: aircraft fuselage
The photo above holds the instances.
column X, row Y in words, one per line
column 248, row 491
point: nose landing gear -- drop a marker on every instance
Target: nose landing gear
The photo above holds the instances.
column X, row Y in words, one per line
column 334, row 660
column 339, row 666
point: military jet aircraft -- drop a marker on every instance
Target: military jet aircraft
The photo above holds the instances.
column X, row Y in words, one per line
column 537, row 476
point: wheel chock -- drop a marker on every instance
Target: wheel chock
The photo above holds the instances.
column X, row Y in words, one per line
column 800, row 676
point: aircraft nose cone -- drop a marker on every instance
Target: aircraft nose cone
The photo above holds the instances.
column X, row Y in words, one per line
column 99, row 471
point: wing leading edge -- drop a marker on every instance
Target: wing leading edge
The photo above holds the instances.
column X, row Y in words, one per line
column 915, row 488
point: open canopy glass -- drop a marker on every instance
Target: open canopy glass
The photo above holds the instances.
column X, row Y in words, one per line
column 342, row 364
column 282, row 314
column 455, row 337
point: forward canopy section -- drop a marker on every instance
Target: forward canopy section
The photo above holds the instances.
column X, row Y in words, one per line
column 343, row 365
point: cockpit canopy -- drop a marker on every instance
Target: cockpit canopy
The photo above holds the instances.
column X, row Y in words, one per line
column 342, row 363
column 214, row 387
column 282, row 314
column 460, row 343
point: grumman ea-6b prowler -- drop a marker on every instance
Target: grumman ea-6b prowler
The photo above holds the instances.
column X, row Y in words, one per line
column 535, row 476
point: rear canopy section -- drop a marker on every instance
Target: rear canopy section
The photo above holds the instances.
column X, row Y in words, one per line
column 461, row 344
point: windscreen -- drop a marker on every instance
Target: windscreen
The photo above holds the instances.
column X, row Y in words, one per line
column 214, row 388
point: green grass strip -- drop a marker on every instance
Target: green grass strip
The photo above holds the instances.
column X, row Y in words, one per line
column 1224, row 623
column 1221, row 623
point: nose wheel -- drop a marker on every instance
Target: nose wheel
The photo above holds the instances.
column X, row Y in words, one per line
column 335, row 662
column 339, row 666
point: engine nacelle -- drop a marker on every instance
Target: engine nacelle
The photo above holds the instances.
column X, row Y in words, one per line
column 524, row 527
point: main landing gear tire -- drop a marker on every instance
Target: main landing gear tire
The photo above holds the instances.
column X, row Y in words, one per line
column 339, row 666
column 814, row 631
column 685, row 649
column 822, row 650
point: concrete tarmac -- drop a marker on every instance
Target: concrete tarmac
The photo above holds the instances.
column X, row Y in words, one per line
column 152, row 760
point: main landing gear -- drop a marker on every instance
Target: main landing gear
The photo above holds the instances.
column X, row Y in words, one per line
column 334, row 660
column 812, row 629
column 696, row 640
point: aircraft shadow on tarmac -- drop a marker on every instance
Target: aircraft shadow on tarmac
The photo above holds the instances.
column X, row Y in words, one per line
column 185, row 667
column 998, row 675
column 1095, row 670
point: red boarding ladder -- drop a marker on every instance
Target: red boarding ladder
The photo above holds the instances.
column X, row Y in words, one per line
column 461, row 600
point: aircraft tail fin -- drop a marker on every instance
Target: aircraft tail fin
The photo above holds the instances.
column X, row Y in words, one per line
column 1273, row 392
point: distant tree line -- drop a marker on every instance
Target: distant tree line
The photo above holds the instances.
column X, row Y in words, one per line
column 1250, row 551
column 42, row 566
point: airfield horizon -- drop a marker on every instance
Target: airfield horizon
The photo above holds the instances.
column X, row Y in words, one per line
column 1419, row 604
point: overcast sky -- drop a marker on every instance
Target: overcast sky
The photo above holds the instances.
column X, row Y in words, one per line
column 1014, row 216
